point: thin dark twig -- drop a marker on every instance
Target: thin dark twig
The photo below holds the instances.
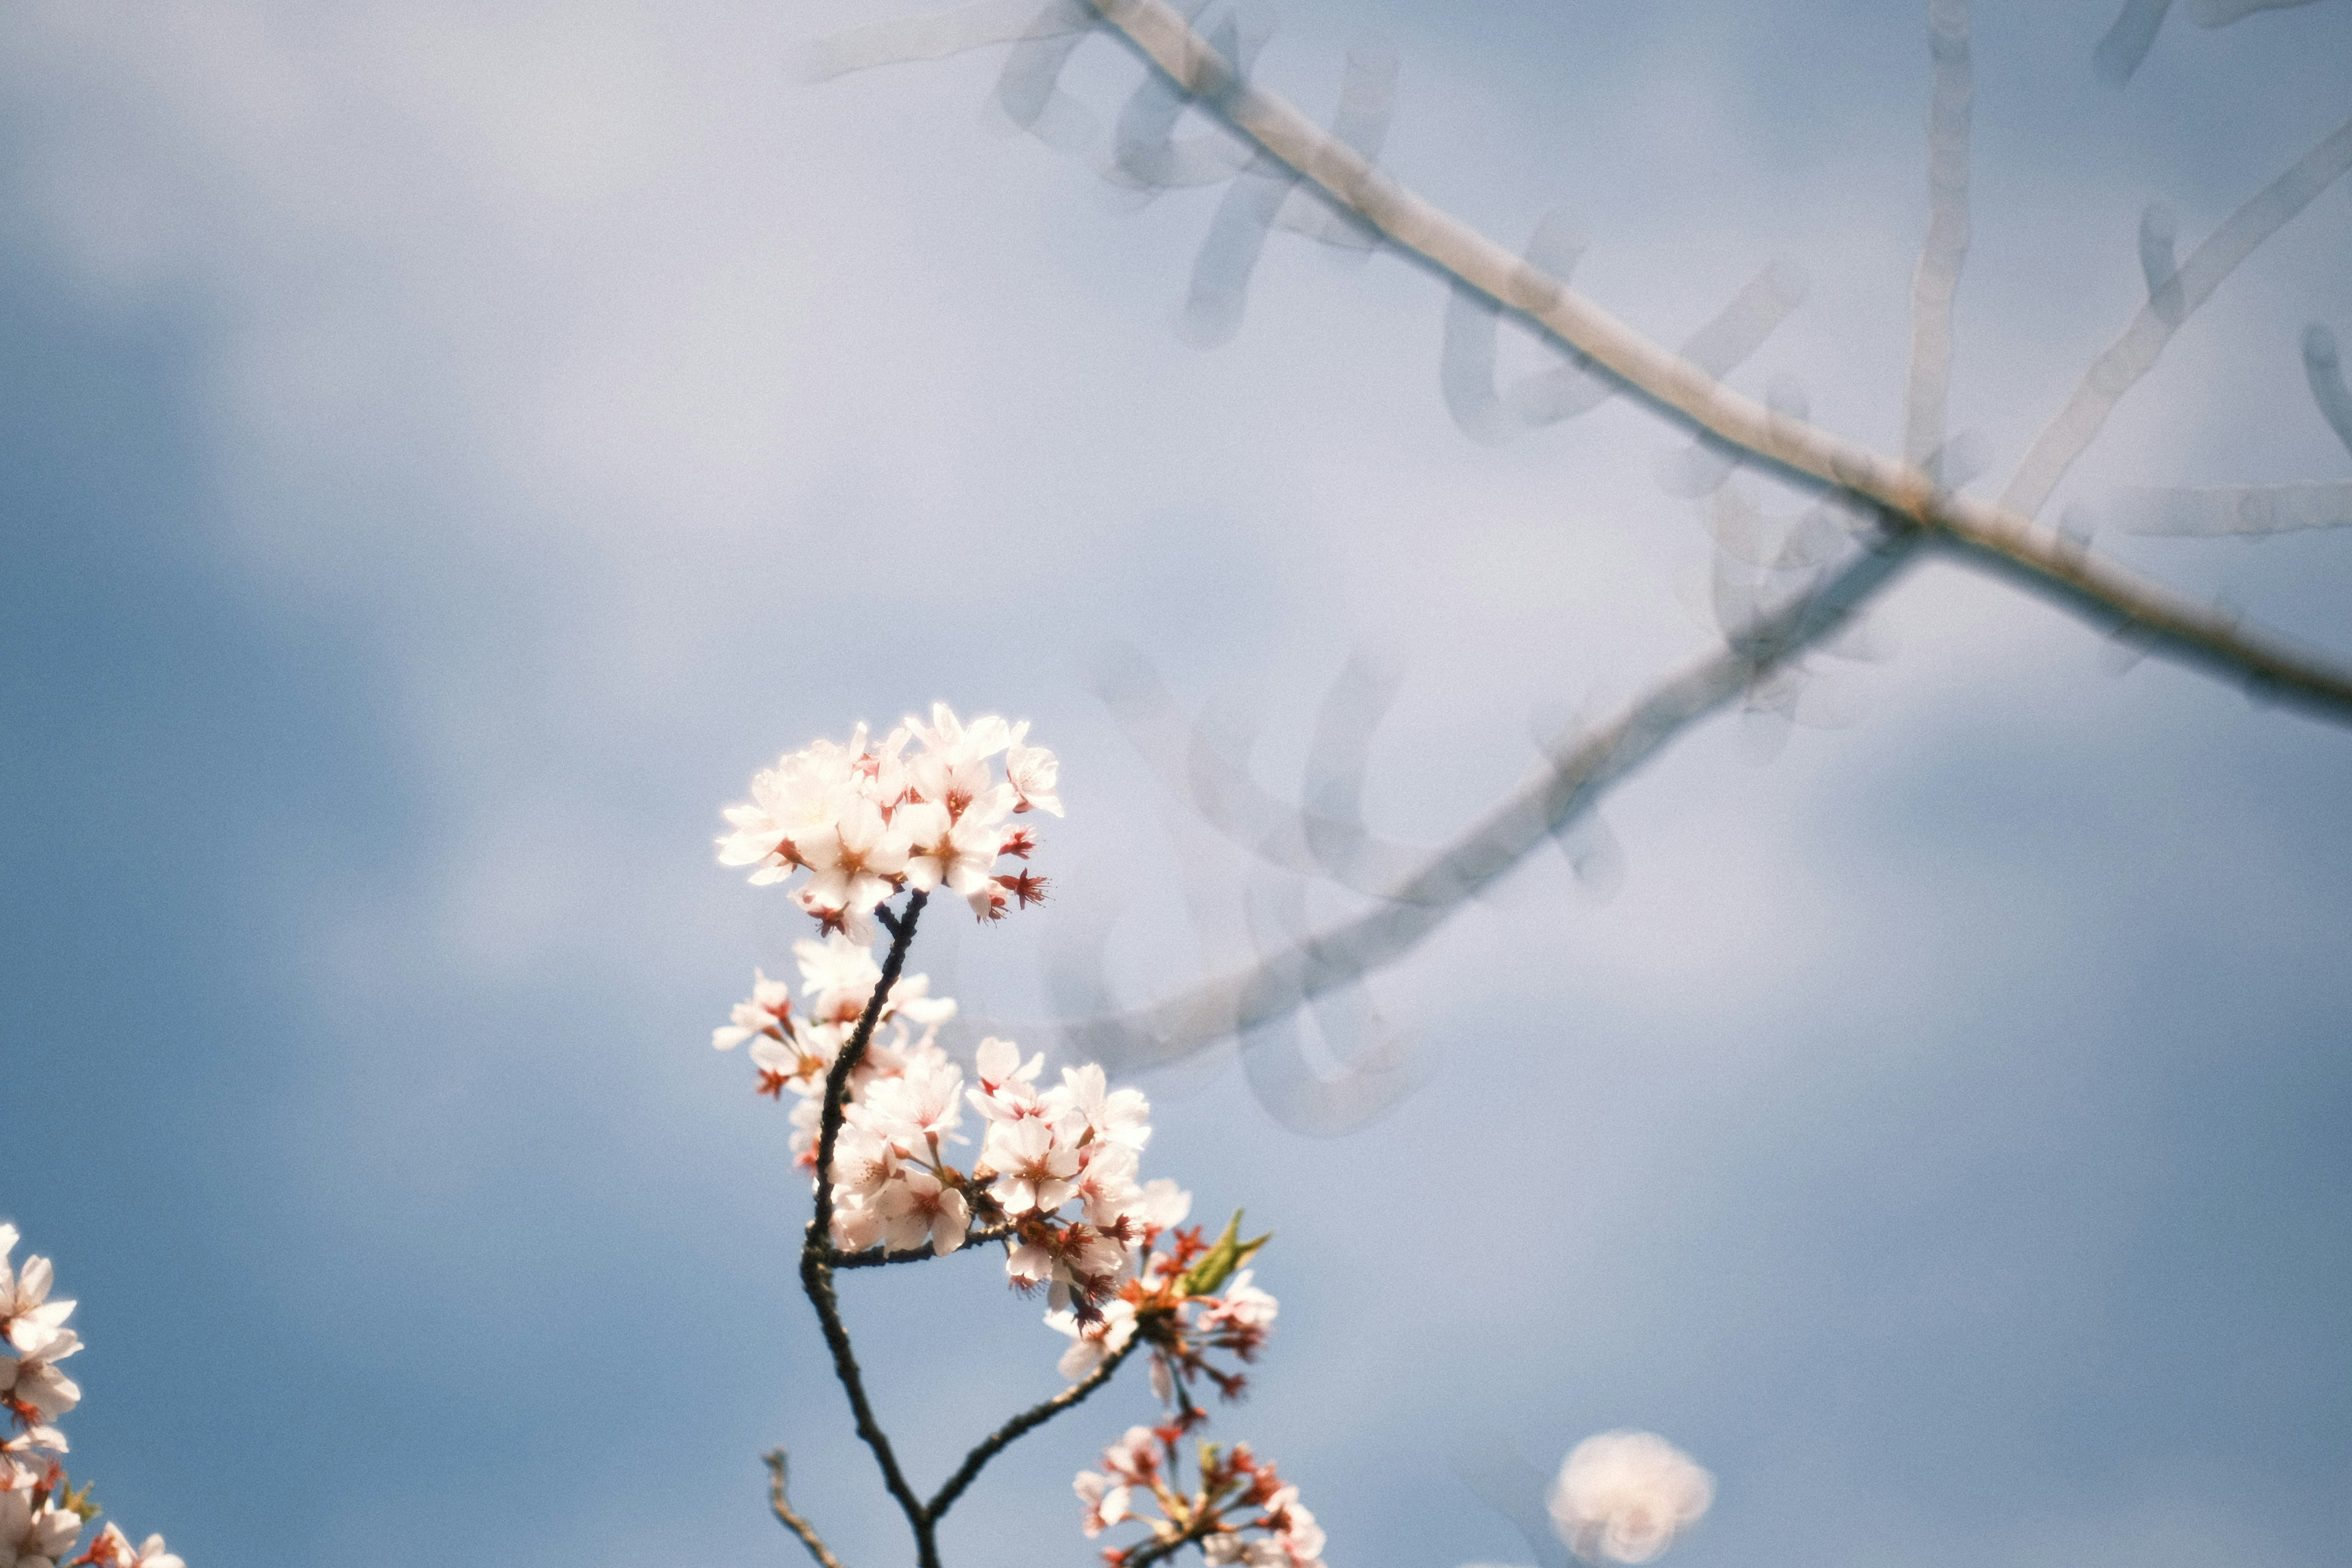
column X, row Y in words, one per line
column 816, row 1271
column 816, row 1279
column 836, row 1080
column 782, row 1507
column 874, row 1258
column 1036, row 1416
column 819, row 1259
column 1160, row 1551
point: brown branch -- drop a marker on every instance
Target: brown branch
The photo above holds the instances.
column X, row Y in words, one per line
column 875, row 1256
column 1036, row 1416
column 782, row 1507
column 836, row 1080
column 817, row 1280
column 1160, row 1551
column 1987, row 533
column 818, row 1260
column 816, row 1269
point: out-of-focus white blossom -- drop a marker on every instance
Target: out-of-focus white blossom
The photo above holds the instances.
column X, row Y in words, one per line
column 1133, row 1463
column 31, row 1386
column 35, row 1531
column 1032, row 772
column 1089, row 1343
column 769, row 1004
column 1292, row 1539
column 28, row 1316
column 113, row 1550
column 1105, row 1501
column 1243, row 1307
column 1624, row 1496
column 38, row 1523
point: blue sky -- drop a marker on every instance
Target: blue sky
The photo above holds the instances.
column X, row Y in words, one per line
column 449, row 448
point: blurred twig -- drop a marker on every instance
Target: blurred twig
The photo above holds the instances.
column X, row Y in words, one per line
column 781, row 1505
column 2005, row 535
column 1416, row 905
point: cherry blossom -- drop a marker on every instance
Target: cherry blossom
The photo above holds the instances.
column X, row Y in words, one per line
column 113, row 1550
column 1034, row 1163
column 26, row 1314
column 1058, row 1175
column 770, row 1006
column 1120, row 1116
column 858, row 863
column 796, row 801
column 960, row 851
column 1242, row 1512
column 1107, row 1184
column 31, row 1386
column 25, row 1456
column 919, row 1208
column 1243, row 1306
column 863, row 1162
column 1033, row 772
column 1091, row 1343
column 867, row 820
column 1007, row 1090
column 35, row 1530
column 792, row 1048
column 40, row 1521
column 1105, row 1501
column 918, row 1110
column 1624, row 1496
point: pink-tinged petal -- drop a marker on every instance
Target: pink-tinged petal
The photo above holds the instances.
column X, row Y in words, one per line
column 950, row 1224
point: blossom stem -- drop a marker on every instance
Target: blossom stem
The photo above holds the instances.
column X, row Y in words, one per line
column 1160, row 1551
column 1036, row 1416
column 819, row 1259
column 782, row 1507
column 816, row 1250
column 875, row 1256
column 836, row 1081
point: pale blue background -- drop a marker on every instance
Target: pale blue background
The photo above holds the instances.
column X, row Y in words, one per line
column 447, row 448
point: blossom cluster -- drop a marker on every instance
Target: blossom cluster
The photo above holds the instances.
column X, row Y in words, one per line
column 40, row 1518
column 1056, row 1176
column 1624, row 1496
column 867, row 820
column 1241, row 1511
column 1187, row 1299
column 1062, row 1167
column 1172, row 1302
column 795, row 1048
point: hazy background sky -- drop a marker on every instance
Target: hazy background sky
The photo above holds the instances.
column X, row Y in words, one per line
column 447, row 448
